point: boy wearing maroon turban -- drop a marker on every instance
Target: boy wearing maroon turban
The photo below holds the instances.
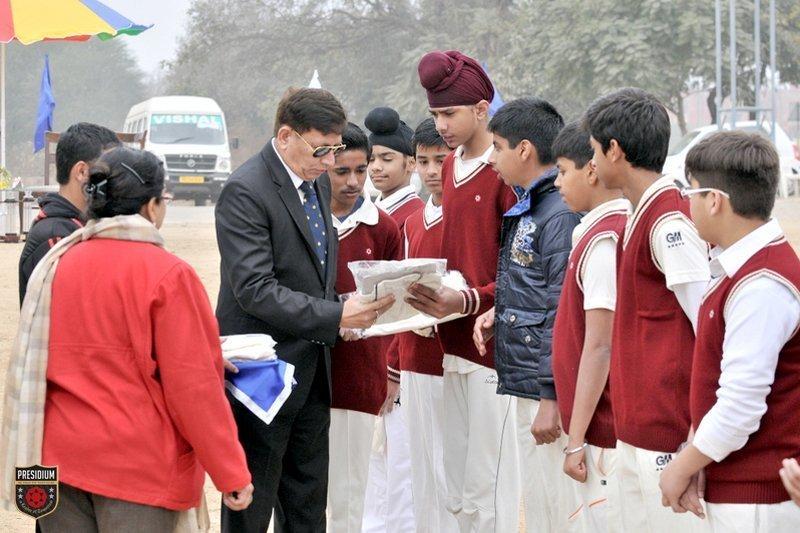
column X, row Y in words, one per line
column 482, row 484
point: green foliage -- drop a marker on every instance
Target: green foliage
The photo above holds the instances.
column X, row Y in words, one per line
column 245, row 53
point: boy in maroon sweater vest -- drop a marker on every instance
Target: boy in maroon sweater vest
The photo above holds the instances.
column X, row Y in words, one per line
column 415, row 357
column 662, row 272
column 583, row 329
column 389, row 502
column 481, row 486
column 745, row 387
column 358, row 369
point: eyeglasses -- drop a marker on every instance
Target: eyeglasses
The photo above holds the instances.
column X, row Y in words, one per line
column 167, row 197
column 686, row 193
column 322, row 151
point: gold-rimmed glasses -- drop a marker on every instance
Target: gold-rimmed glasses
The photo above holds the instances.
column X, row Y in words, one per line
column 322, row 151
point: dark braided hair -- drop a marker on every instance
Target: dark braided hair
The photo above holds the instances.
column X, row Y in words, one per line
column 122, row 180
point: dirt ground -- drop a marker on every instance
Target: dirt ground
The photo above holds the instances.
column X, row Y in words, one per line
column 189, row 233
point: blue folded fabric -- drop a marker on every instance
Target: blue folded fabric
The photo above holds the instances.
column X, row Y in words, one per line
column 261, row 386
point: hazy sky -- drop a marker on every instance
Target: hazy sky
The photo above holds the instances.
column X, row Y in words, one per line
column 161, row 41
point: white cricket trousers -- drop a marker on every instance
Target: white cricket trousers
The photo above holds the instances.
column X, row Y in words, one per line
column 637, row 474
column 389, row 504
column 595, row 509
column 781, row 517
column 480, row 452
column 424, row 409
column 350, row 439
column 545, row 493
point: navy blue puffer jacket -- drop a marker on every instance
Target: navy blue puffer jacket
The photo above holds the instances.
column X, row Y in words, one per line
column 535, row 245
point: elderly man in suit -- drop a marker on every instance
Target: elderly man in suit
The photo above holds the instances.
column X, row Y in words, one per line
column 278, row 248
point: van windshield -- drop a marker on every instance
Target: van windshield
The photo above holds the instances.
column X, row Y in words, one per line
column 187, row 129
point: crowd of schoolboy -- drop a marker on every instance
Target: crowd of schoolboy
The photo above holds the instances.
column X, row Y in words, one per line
column 628, row 359
column 628, row 356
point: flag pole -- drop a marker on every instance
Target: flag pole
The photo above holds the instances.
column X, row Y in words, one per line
column 3, row 105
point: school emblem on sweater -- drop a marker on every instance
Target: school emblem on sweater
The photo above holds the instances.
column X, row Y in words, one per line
column 36, row 489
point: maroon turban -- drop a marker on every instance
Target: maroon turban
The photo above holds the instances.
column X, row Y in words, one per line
column 452, row 79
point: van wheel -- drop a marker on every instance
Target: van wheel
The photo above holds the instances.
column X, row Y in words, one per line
column 199, row 201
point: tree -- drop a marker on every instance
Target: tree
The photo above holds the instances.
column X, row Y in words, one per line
column 245, row 53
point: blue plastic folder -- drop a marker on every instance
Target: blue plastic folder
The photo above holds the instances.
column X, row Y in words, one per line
column 261, row 386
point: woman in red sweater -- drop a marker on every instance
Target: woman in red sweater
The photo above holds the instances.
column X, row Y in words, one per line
column 135, row 411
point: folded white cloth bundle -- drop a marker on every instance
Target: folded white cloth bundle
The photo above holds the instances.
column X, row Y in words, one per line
column 420, row 323
column 249, row 347
column 375, row 279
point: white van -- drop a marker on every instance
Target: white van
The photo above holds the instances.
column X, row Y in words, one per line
column 188, row 133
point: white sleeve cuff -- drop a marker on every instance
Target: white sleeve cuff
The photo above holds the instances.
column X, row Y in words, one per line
column 599, row 303
column 705, row 441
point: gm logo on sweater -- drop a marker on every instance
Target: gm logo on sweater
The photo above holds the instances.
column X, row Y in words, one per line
column 662, row 461
column 674, row 239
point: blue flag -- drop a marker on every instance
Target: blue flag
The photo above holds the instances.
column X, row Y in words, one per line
column 44, row 114
column 497, row 102
column 261, row 386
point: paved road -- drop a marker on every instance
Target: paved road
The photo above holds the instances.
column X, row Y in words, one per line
column 186, row 213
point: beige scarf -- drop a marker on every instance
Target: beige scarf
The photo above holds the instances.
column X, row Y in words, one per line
column 26, row 382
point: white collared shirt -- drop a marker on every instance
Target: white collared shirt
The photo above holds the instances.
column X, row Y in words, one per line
column 678, row 251
column 760, row 318
column 599, row 276
column 431, row 215
column 466, row 167
column 432, row 212
column 367, row 213
column 297, row 181
column 395, row 200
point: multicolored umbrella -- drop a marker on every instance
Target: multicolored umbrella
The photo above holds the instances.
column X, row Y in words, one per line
column 30, row 21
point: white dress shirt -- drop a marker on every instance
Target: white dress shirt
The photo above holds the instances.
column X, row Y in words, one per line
column 367, row 213
column 760, row 318
column 466, row 168
column 432, row 211
column 297, row 181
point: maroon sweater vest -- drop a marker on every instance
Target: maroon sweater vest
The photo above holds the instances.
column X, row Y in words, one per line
column 473, row 210
column 652, row 344
column 400, row 212
column 404, row 209
column 415, row 353
column 750, row 475
column 358, row 368
column 570, row 328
